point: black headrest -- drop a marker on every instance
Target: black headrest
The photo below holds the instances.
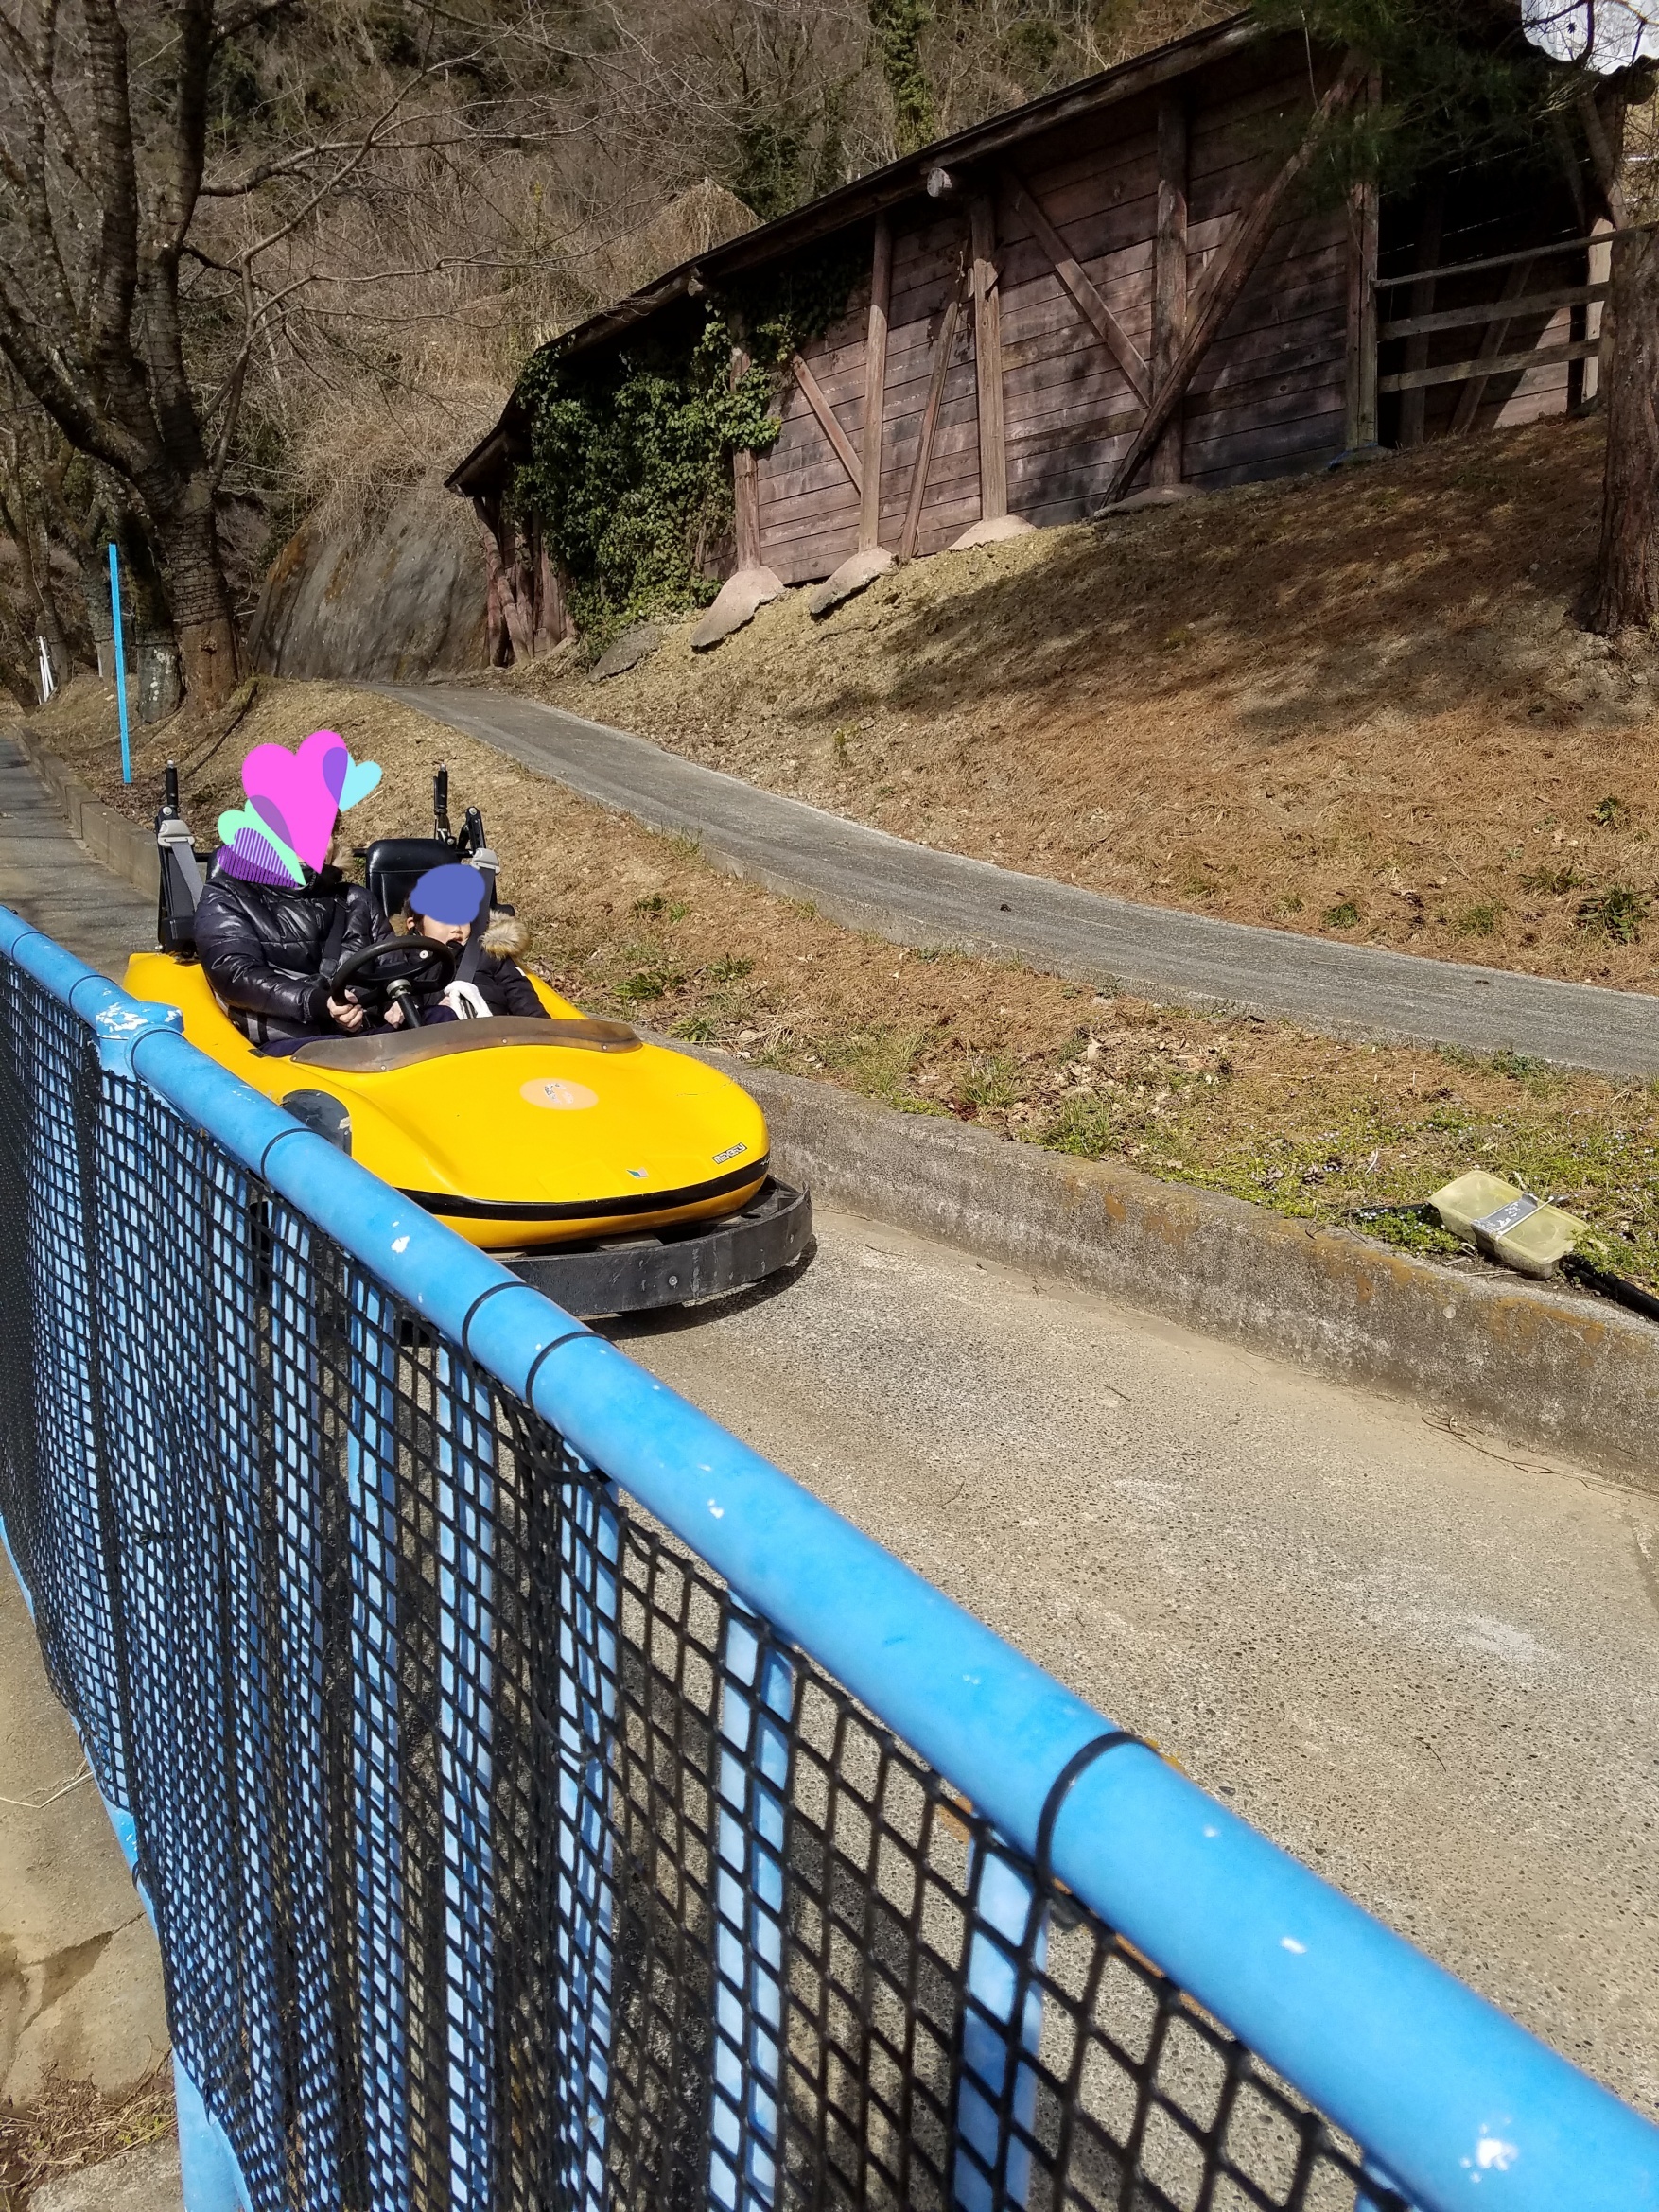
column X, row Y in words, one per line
column 395, row 864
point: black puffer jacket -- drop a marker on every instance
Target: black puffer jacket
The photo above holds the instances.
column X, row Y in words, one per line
column 262, row 949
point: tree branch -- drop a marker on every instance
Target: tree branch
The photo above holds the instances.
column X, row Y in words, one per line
column 235, row 385
column 116, row 278
column 42, row 370
column 324, row 148
column 39, row 90
column 329, row 185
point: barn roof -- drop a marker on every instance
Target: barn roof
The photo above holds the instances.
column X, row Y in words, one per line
column 868, row 196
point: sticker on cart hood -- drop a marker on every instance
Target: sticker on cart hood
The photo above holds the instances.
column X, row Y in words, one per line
column 730, row 1152
column 565, row 1098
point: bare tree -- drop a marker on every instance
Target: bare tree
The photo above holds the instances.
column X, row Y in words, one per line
column 118, row 256
column 90, row 311
column 24, row 521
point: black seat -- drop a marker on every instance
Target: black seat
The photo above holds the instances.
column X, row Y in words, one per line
column 394, row 865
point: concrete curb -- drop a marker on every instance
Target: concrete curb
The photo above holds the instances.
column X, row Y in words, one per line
column 122, row 846
column 144, row 2180
column 1550, row 1370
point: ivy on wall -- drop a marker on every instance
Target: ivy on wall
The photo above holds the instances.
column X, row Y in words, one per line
column 630, row 467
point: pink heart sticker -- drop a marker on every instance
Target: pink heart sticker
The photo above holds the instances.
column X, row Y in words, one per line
column 300, row 788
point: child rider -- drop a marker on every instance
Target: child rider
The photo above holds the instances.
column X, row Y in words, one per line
column 450, row 906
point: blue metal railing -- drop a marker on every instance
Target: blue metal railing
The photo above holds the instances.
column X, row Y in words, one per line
column 1451, row 2100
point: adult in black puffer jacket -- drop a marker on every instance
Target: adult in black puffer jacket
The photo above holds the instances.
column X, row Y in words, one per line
column 262, row 949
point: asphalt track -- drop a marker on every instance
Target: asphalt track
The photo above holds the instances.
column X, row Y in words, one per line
column 917, row 895
column 1427, row 1664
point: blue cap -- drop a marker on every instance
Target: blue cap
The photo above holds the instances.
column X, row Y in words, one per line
column 452, row 894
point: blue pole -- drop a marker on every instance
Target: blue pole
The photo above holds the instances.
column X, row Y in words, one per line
column 1455, row 2101
column 120, row 661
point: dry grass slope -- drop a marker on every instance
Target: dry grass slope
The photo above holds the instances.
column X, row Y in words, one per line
column 1355, row 706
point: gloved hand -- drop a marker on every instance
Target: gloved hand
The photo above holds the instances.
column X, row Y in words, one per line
column 466, row 1002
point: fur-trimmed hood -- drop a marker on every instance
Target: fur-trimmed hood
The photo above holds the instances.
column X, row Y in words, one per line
column 507, row 936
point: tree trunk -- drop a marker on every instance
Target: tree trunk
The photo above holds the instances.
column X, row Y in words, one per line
column 1627, row 570
column 17, row 674
column 20, row 522
column 202, row 622
column 208, row 662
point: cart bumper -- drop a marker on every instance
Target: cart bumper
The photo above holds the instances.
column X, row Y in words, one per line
column 677, row 1268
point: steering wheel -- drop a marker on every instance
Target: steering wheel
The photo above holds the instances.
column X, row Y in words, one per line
column 419, row 964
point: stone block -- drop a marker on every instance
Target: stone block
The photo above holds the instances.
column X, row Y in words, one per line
column 993, row 532
column 144, row 2180
column 855, row 574
column 628, row 651
column 741, row 599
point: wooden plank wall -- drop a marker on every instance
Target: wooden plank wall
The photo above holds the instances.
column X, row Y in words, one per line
column 1485, row 211
column 1268, row 396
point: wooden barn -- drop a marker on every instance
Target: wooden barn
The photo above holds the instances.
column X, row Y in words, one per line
column 1127, row 288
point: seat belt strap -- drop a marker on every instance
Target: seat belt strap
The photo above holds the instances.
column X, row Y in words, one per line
column 334, row 940
column 467, row 966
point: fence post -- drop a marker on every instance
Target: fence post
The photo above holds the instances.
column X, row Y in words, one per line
column 756, row 1703
column 298, row 1549
column 382, row 1934
column 206, row 2167
column 465, row 1517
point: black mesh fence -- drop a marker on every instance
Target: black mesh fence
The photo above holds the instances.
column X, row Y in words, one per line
column 500, row 1858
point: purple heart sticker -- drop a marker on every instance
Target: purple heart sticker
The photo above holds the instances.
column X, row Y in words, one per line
column 271, row 814
column 256, row 861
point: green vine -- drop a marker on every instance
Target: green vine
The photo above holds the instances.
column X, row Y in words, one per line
column 782, row 309
column 630, row 461
column 899, row 26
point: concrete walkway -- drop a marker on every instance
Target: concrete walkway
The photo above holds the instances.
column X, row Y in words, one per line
column 81, row 1976
column 45, row 876
column 914, row 895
